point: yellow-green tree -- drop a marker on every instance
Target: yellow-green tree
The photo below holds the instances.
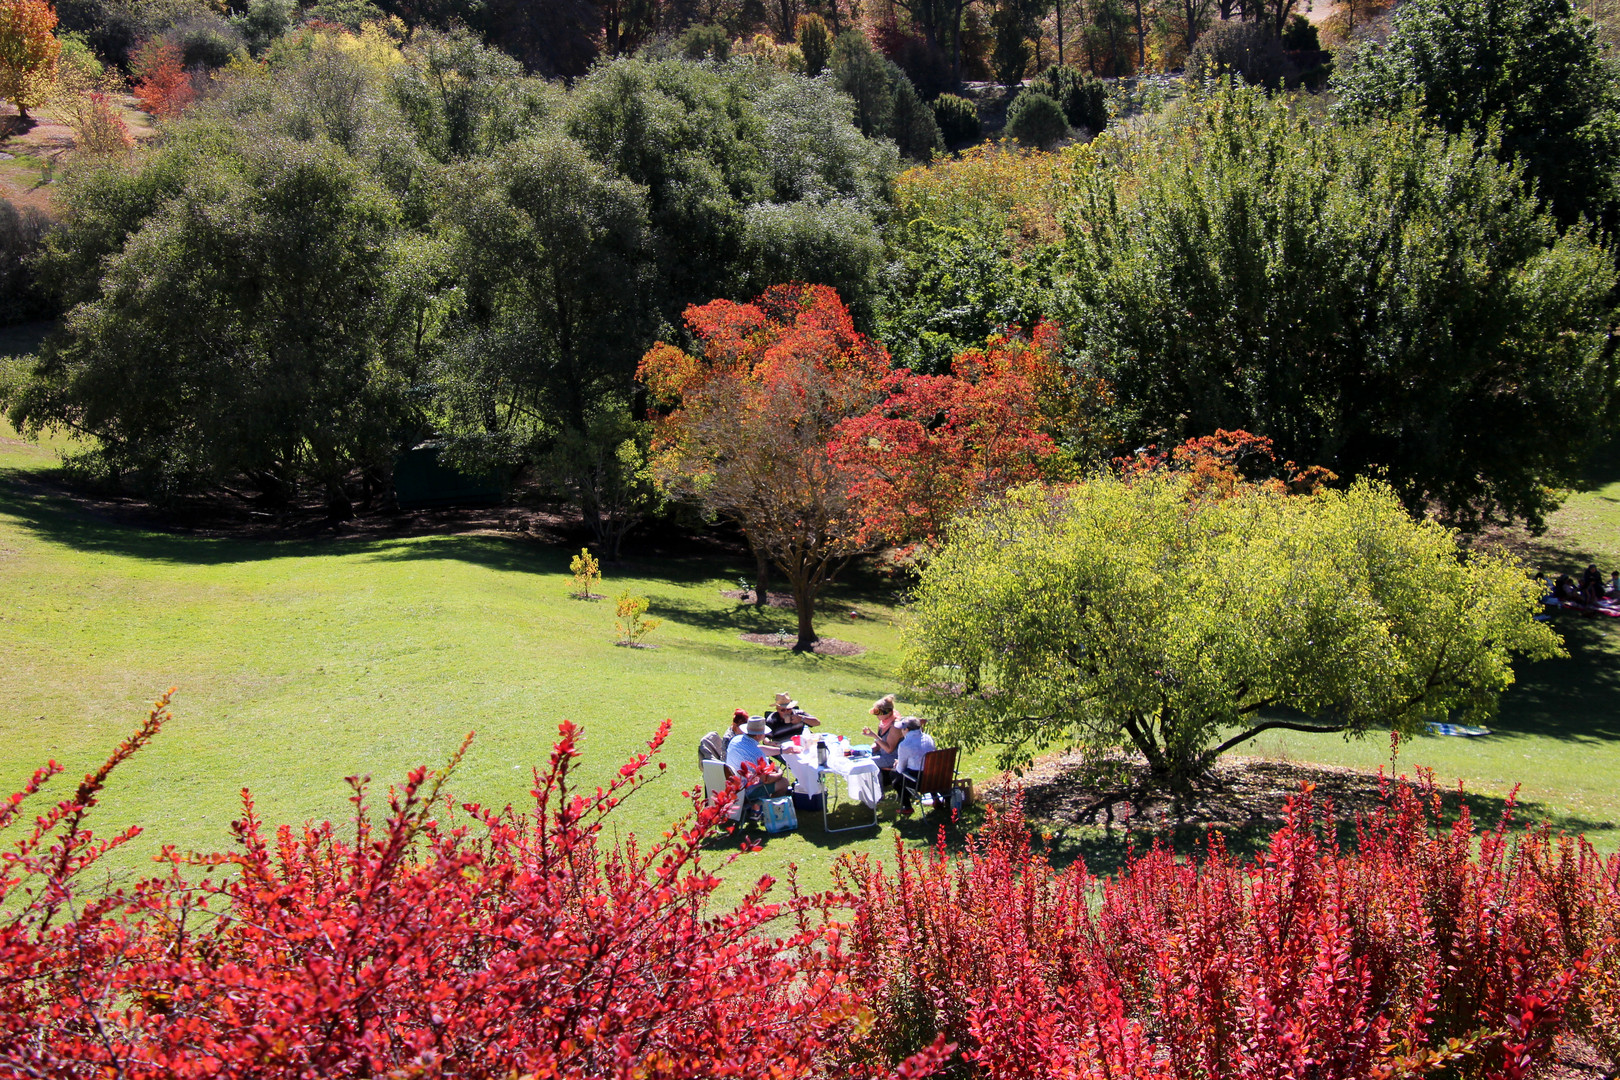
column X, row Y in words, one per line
column 28, row 51
column 1145, row 614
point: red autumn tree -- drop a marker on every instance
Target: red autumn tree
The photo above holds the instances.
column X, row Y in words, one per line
column 28, row 51
column 747, row 424
column 163, row 87
column 941, row 444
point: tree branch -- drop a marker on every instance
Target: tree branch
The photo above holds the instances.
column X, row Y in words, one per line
column 1270, row 725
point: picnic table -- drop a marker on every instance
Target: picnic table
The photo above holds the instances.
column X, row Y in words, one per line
column 845, row 762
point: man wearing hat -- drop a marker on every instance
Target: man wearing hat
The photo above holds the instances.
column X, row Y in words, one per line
column 746, row 758
column 786, row 719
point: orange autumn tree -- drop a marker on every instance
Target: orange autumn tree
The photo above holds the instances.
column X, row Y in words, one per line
column 28, row 51
column 745, row 427
column 943, row 444
column 163, row 87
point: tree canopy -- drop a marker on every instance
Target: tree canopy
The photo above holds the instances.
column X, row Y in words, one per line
column 1145, row 614
column 1530, row 71
column 1378, row 298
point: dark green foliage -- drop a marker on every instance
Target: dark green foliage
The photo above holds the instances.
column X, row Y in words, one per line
column 886, row 104
column 463, row 97
column 349, row 14
column 254, row 324
column 815, row 43
column 952, row 287
column 263, row 21
column 1534, row 68
column 206, row 42
column 958, row 120
column 1082, row 96
column 1374, row 299
column 22, row 232
column 1300, row 35
column 706, row 42
column 1011, row 54
column 1247, row 49
column 1036, row 120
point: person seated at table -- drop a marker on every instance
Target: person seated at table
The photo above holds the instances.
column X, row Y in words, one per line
column 748, row 759
column 914, row 747
column 786, row 719
column 1592, row 585
column 739, row 717
column 886, row 739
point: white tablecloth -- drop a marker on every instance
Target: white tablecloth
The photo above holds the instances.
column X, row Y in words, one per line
column 860, row 774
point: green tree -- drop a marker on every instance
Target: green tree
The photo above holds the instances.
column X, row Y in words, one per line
column 1374, row 298
column 1532, row 68
column 1131, row 614
column 253, row 324
column 815, row 42
column 886, row 104
column 554, row 249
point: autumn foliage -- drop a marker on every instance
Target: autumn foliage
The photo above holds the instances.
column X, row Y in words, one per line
column 429, row 939
column 163, row 86
column 28, row 51
column 941, row 444
column 1428, row 949
column 1219, row 464
column 426, row 940
column 797, row 427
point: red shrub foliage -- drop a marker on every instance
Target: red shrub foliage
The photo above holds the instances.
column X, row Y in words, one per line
column 1430, row 949
column 427, row 943
column 162, row 86
column 436, row 940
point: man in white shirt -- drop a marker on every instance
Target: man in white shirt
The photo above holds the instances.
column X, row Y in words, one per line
column 908, row 756
column 747, row 759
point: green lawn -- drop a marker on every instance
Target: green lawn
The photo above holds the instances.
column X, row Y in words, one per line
column 299, row 663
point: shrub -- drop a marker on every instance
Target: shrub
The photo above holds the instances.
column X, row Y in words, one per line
column 206, row 43
column 1411, row 955
column 958, row 120
column 438, row 941
column 1082, row 96
column 1242, row 48
column 706, row 43
column 632, row 622
column 1036, row 120
column 587, row 573
column 814, row 42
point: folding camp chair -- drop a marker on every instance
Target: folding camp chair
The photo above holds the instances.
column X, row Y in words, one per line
column 937, row 778
column 715, row 777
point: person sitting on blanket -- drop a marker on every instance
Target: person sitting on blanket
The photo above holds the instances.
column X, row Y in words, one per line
column 909, row 757
column 746, row 758
column 1592, row 585
column 1566, row 592
column 1614, row 585
column 786, row 719
column 886, row 739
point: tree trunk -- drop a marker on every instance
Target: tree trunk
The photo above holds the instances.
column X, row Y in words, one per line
column 1141, row 39
column 1060, row 31
column 805, row 601
column 762, row 579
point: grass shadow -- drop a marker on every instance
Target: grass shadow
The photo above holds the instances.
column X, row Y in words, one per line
column 1106, row 852
column 1571, row 698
